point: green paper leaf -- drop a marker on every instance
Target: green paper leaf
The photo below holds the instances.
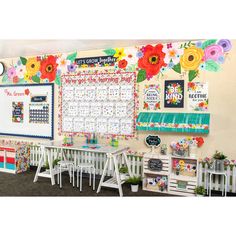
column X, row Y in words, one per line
column 72, row 57
column 109, row 51
column 177, row 68
column 192, row 75
column 5, row 78
column 21, row 81
column 211, row 65
column 23, row 60
column 141, row 76
column 58, row 80
column 36, row 79
column 208, row 43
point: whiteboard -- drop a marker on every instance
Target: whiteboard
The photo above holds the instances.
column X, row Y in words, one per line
column 27, row 110
column 102, row 103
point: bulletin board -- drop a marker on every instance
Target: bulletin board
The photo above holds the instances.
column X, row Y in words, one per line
column 102, row 103
column 27, row 110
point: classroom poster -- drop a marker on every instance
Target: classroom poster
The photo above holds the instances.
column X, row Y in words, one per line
column 101, row 103
column 198, row 96
column 174, row 94
column 17, row 112
column 152, row 99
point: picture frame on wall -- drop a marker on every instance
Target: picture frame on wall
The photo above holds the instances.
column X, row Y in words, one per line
column 174, row 94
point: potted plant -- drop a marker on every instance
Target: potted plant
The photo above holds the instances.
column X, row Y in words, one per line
column 200, row 191
column 219, row 161
column 134, row 182
column 123, row 172
column 54, row 163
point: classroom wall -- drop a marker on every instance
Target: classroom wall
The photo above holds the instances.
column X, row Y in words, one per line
column 222, row 106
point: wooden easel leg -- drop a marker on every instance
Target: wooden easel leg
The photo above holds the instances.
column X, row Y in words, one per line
column 117, row 176
column 39, row 165
column 103, row 175
column 128, row 164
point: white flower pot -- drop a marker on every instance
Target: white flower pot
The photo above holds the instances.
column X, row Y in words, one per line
column 134, row 188
column 123, row 176
column 199, row 195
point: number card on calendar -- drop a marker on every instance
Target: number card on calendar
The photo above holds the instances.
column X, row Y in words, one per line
column 103, row 103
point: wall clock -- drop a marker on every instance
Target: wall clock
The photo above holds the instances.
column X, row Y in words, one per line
column 2, row 68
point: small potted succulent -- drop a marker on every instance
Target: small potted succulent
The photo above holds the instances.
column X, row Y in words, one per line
column 134, row 182
column 219, row 161
column 200, row 191
column 123, row 172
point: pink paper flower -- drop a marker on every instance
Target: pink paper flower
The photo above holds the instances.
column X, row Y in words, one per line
column 11, row 73
column 213, row 52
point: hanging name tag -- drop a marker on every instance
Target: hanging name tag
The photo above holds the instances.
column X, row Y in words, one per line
column 153, row 140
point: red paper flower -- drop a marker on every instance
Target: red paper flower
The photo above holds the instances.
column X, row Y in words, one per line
column 27, row 92
column 200, row 141
column 15, row 79
column 201, row 104
column 152, row 60
column 122, row 64
column 48, row 68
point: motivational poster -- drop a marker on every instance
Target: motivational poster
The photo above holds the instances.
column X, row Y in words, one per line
column 151, row 99
column 174, row 94
column 198, row 96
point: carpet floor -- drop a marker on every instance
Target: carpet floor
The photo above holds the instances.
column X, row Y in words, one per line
column 22, row 185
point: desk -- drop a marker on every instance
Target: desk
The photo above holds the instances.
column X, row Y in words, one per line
column 112, row 153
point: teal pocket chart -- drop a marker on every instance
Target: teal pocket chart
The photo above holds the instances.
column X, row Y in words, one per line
column 27, row 110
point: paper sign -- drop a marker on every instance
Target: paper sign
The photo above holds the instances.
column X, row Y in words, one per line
column 151, row 99
column 198, row 96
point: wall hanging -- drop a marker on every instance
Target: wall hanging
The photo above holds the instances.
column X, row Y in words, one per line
column 103, row 103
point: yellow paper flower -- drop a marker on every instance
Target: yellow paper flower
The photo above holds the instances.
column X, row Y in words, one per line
column 32, row 66
column 84, row 65
column 26, row 77
column 181, row 162
column 119, row 53
column 192, row 58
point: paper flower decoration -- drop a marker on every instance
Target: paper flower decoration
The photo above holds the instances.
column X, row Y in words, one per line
column 213, row 52
column 192, row 58
column 49, row 68
column 225, row 44
column 173, row 53
column 11, row 72
column 20, row 71
column 152, row 60
column 71, row 67
column 32, row 66
column 119, row 53
column 122, row 64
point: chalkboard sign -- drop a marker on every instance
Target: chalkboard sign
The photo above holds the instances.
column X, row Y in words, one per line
column 155, row 164
column 39, row 99
column 153, row 140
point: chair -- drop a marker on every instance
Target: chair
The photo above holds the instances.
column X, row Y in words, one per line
column 91, row 169
column 66, row 166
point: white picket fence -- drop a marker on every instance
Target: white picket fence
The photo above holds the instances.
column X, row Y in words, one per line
column 217, row 181
column 136, row 167
column 98, row 160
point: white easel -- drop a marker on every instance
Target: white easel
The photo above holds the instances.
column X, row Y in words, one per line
column 115, row 181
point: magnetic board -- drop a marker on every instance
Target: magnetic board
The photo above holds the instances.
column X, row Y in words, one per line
column 27, row 110
column 101, row 103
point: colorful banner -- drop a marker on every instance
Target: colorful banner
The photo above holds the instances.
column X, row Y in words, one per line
column 174, row 94
column 151, row 99
column 198, row 96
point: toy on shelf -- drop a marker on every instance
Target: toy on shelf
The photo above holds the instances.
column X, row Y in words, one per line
column 68, row 141
column 163, row 149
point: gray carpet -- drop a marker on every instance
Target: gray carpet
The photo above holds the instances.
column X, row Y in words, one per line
column 22, row 185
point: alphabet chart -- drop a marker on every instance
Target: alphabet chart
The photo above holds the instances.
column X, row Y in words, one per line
column 102, row 102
